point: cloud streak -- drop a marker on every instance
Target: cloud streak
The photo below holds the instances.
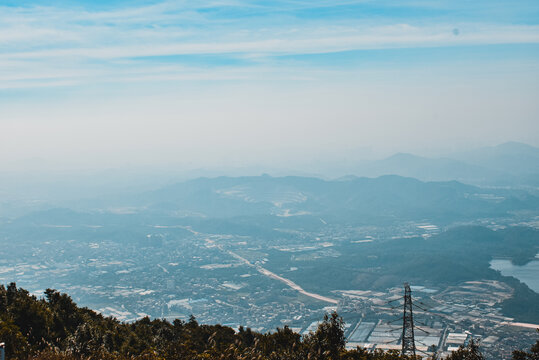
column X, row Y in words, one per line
column 74, row 45
column 398, row 36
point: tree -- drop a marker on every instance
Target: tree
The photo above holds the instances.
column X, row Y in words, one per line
column 470, row 352
column 16, row 344
column 533, row 354
column 328, row 341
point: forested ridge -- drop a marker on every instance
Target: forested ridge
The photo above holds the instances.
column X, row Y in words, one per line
column 54, row 327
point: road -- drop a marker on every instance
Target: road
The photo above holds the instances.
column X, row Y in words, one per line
column 288, row 282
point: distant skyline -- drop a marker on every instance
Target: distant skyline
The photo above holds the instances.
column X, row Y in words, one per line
column 262, row 83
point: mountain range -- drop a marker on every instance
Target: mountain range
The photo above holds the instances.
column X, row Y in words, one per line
column 351, row 199
column 507, row 164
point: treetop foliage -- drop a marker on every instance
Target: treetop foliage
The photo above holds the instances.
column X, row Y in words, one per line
column 55, row 328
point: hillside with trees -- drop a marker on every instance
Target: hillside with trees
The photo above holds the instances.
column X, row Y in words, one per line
column 54, row 327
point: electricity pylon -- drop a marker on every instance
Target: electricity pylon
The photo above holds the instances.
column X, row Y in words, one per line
column 408, row 341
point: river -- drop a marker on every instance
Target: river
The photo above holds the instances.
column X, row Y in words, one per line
column 528, row 274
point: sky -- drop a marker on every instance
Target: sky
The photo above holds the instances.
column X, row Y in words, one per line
column 216, row 83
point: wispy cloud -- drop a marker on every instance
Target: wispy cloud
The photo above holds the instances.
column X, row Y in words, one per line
column 75, row 45
column 308, row 41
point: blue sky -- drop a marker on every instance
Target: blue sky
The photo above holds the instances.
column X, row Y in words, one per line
column 193, row 66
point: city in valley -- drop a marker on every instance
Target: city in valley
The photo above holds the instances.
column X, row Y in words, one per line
column 167, row 270
column 291, row 179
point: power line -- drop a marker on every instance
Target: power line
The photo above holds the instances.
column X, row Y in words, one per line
column 408, row 340
column 394, row 320
column 420, row 323
column 422, row 303
column 425, row 331
column 423, row 352
column 389, row 342
column 426, row 310
column 419, row 307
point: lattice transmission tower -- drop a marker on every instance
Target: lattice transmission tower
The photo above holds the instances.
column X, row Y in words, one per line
column 408, row 341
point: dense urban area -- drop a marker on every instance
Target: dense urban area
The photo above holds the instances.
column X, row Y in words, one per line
column 175, row 271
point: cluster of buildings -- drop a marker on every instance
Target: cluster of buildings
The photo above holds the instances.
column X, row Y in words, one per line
column 165, row 275
column 444, row 320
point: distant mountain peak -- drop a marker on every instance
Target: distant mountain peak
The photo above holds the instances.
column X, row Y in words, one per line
column 515, row 159
column 516, row 146
column 347, row 178
column 402, row 155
